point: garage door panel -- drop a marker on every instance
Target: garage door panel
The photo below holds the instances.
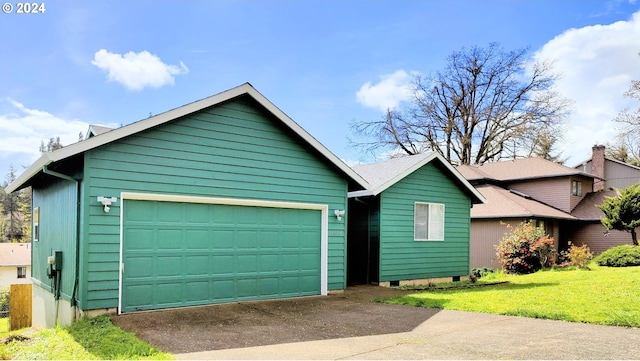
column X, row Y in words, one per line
column 168, row 238
column 222, row 239
column 197, row 291
column 197, row 239
column 211, row 253
column 143, row 267
column 198, row 265
column 140, row 238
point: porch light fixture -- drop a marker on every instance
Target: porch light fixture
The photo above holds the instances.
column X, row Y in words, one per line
column 106, row 202
column 339, row 214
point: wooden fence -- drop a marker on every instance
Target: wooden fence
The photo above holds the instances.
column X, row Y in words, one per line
column 20, row 306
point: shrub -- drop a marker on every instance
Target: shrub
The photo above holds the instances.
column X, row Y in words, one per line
column 620, row 256
column 481, row 272
column 526, row 250
column 578, row 256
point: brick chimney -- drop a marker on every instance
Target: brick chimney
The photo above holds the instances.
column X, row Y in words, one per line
column 597, row 166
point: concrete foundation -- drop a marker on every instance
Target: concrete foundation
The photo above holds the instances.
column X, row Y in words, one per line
column 423, row 281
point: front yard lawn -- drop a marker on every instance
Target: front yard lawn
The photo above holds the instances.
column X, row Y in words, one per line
column 87, row 339
column 601, row 295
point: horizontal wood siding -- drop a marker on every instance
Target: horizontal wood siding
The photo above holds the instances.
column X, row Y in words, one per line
column 486, row 234
column 58, row 229
column 620, row 176
column 555, row 192
column 232, row 150
column 593, row 235
column 402, row 258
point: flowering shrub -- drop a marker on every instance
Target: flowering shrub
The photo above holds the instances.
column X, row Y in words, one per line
column 526, row 249
column 578, row 256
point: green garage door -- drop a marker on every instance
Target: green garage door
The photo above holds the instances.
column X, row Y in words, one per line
column 183, row 254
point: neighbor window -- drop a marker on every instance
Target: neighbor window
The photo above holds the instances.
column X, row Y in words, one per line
column 36, row 224
column 576, row 188
column 22, row 272
column 428, row 222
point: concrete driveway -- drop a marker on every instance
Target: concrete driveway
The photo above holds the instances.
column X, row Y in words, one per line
column 349, row 326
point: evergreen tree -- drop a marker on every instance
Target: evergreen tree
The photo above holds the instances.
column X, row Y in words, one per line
column 622, row 212
column 11, row 210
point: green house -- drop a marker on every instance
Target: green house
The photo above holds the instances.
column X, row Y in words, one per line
column 221, row 200
column 412, row 225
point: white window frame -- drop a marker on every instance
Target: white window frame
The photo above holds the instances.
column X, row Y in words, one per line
column 434, row 222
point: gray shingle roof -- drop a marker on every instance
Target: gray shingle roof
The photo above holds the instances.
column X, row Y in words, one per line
column 383, row 175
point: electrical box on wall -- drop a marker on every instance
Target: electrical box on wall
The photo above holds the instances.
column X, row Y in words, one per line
column 57, row 265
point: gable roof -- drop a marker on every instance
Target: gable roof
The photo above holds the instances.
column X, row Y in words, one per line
column 383, row 175
column 119, row 133
column 15, row 254
column 503, row 203
column 96, row 130
column 519, row 169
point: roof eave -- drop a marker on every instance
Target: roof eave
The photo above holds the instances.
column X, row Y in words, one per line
column 167, row 116
column 29, row 173
column 362, row 193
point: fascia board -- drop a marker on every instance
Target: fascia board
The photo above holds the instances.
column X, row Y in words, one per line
column 363, row 193
column 162, row 118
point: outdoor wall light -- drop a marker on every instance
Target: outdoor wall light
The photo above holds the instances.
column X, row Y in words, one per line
column 339, row 214
column 106, row 202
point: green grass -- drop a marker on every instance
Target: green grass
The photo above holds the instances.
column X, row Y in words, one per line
column 602, row 295
column 87, row 339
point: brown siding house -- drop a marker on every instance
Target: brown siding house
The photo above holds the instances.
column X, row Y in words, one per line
column 560, row 198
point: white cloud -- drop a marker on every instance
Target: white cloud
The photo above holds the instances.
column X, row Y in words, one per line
column 137, row 70
column 388, row 93
column 23, row 129
column 597, row 64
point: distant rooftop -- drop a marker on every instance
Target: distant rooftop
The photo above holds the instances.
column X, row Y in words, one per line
column 15, row 254
column 518, row 169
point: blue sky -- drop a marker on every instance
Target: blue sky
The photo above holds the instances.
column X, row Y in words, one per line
column 324, row 63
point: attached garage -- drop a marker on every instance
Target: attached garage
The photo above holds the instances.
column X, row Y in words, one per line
column 225, row 199
column 185, row 251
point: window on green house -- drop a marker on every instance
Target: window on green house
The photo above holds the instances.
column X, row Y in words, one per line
column 428, row 222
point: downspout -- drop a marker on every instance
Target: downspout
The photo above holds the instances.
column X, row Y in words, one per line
column 74, row 301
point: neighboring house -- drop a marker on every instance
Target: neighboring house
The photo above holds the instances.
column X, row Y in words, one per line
column 15, row 264
column 96, row 130
column 616, row 175
column 412, row 224
column 518, row 190
column 221, row 200
column 561, row 199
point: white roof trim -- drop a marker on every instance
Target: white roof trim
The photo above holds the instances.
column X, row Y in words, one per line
column 165, row 117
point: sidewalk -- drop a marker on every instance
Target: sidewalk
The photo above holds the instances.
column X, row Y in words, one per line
column 460, row 335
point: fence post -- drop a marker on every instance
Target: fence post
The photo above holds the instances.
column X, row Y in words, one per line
column 20, row 306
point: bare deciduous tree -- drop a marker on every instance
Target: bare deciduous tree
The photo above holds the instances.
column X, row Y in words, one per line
column 485, row 105
column 627, row 146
